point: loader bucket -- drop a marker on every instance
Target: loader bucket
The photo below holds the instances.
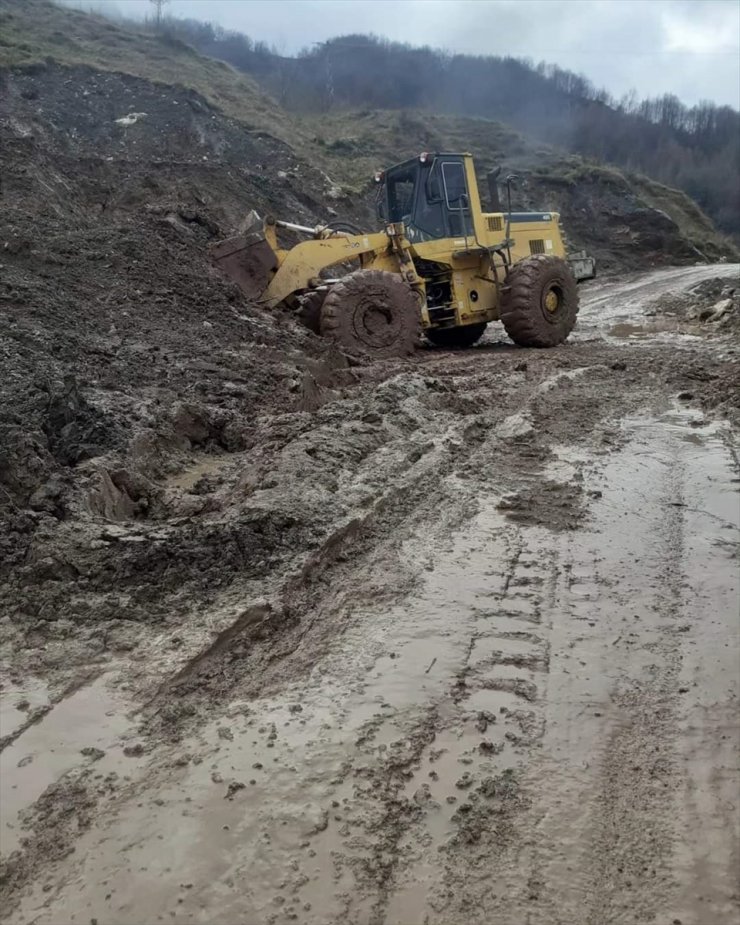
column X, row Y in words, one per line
column 247, row 259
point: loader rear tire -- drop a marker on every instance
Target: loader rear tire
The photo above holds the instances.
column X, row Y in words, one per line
column 372, row 313
column 453, row 338
column 539, row 304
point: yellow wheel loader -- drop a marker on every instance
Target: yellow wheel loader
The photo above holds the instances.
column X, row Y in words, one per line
column 440, row 265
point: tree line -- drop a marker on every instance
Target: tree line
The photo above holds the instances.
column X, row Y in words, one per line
column 693, row 148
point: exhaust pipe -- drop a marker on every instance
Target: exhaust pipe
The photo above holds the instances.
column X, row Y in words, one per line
column 493, row 190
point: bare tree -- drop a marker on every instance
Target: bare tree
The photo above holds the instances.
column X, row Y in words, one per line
column 158, row 6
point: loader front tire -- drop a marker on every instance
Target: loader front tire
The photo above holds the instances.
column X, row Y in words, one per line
column 372, row 313
column 539, row 303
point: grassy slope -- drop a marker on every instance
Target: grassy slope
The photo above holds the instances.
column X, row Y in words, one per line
column 349, row 147
column 35, row 30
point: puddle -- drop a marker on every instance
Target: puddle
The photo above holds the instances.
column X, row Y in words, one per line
column 92, row 717
column 32, row 692
column 649, row 329
column 189, row 478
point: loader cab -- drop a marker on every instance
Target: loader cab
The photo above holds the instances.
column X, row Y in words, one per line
column 430, row 195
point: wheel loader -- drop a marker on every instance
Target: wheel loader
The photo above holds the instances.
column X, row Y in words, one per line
column 441, row 266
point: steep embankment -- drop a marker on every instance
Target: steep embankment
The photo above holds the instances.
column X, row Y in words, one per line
column 123, row 353
column 34, row 31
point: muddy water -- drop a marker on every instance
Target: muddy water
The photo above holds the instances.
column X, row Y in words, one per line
column 78, row 731
column 189, row 477
column 20, row 704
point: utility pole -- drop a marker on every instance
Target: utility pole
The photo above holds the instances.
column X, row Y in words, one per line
column 158, row 5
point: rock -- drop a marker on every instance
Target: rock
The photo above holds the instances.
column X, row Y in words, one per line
column 464, row 782
column 488, row 787
column 90, row 751
column 46, row 497
column 720, row 309
column 233, row 787
column 483, row 720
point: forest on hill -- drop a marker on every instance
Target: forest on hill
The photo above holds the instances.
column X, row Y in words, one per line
column 695, row 149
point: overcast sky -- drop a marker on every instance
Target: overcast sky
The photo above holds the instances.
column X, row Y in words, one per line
column 686, row 47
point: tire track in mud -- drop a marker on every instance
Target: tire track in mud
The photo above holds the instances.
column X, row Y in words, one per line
column 452, row 785
column 307, row 609
column 632, row 825
column 605, row 842
column 317, row 594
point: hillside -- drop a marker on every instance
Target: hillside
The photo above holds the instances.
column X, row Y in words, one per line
column 310, row 166
column 625, row 220
column 33, row 31
column 695, row 148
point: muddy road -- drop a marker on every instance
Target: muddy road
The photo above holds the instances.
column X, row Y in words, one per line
column 489, row 677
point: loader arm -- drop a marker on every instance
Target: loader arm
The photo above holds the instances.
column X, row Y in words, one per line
column 268, row 273
column 301, row 264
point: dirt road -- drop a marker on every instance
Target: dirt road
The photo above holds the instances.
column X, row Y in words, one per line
column 497, row 684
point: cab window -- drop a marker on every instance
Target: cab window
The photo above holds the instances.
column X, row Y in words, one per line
column 401, row 189
column 453, row 179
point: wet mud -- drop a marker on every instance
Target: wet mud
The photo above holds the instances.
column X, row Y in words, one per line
column 454, row 639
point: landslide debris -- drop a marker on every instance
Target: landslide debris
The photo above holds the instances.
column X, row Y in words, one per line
column 126, row 358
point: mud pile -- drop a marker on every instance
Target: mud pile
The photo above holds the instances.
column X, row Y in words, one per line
column 124, row 354
column 713, row 302
column 710, row 309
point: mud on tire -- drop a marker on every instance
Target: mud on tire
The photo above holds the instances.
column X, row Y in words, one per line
column 372, row 312
column 309, row 310
column 539, row 304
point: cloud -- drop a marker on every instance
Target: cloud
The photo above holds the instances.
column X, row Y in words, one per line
column 685, row 47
